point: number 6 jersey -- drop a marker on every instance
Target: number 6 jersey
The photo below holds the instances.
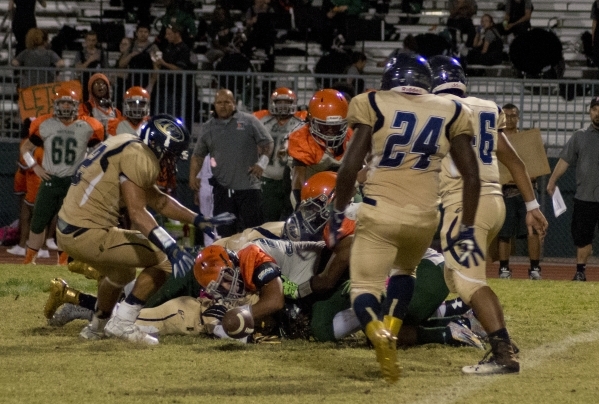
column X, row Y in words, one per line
column 411, row 134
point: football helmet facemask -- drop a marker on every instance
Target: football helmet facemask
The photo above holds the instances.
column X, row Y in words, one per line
column 66, row 103
column 327, row 115
column 407, row 73
column 448, row 75
column 136, row 103
column 283, row 102
column 217, row 270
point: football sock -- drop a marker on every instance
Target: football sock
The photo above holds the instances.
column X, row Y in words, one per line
column 504, row 263
column 433, row 335
column 366, row 306
column 455, row 307
column 87, row 301
column 128, row 312
column 581, row 267
column 399, row 294
column 534, row 263
column 501, row 334
column 132, row 300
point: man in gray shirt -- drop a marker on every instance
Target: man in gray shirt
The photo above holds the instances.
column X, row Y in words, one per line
column 582, row 150
column 239, row 146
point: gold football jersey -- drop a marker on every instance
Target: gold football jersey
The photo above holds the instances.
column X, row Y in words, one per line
column 487, row 119
column 94, row 197
column 411, row 134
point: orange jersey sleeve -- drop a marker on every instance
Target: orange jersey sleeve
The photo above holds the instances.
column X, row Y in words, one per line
column 34, row 129
column 303, row 147
column 112, row 126
column 348, row 227
column 97, row 127
column 250, row 258
column 303, row 115
column 261, row 114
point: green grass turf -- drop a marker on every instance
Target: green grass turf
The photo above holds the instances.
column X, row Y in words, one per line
column 555, row 324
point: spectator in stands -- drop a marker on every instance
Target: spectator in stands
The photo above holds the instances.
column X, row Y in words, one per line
column 219, row 36
column 260, row 32
column 122, row 78
column 410, row 45
column 140, row 57
column 23, row 19
column 581, row 151
column 460, row 18
column 342, row 18
column 515, row 214
column 174, row 89
column 595, row 39
column 90, row 57
column 488, row 44
column 37, row 54
column 358, row 62
column 138, row 11
column 178, row 13
column 517, row 17
column 239, row 146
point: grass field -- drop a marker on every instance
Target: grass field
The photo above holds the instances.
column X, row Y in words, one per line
column 555, row 324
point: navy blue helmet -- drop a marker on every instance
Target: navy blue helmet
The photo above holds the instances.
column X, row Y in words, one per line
column 166, row 136
column 448, row 75
column 408, row 73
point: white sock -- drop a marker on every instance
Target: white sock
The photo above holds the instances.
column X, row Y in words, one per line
column 344, row 323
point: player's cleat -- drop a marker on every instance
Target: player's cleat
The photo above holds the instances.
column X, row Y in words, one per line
column 82, row 268
column 17, row 250
column 60, row 293
column 503, row 360
column 475, row 325
column 128, row 331
column 94, row 330
column 579, row 276
column 535, row 274
column 63, row 258
column 385, row 345
column 30, row 256
column 68, row 313
column 43, row 254
column 51, row 244
column 505, row 273
column 464, row 336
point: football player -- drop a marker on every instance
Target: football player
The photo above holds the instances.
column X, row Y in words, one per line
column 123, row 171
column 136, row 112
column 281, row 119
column 466, row 275
column 320, row 144
column 65, row 137
column 408, row 131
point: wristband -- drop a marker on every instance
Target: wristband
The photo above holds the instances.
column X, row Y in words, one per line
column 199, row 219
column 29, row 160
column 161, row 239
column 532, row 205
column 263, row 161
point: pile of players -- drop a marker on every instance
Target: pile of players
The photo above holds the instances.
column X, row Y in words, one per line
column 419, row 147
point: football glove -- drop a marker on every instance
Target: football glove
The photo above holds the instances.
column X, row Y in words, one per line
column 335, row 222
column 290, row 289
column 216, row 311
column 467, row 248
column 182, row 260
column 223, row 218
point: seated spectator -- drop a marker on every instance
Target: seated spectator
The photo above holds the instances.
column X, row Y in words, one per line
column 517, row 17
column 358, row 62
column 122, row 78
column 259, row 24
column 460, row 18
column 90, row 57
column 140, row 57
column 342, row 18
column 179, row 13
column 488, row 45
column 37, row 54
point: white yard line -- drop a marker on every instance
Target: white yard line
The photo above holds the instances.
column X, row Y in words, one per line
column 471, row 384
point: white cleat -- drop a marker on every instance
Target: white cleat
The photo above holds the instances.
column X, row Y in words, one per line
column 94, row 330
column 43, row 254
column 17, row 250
column 51, row 244
column 128, row 331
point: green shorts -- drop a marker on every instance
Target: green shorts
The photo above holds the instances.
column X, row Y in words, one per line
column 48, row 202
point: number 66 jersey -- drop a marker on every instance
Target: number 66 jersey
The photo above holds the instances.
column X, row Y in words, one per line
column 411, row 134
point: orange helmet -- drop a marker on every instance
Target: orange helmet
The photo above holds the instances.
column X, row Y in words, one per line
column 328, row 117
column 66, row 103
column 307, row 222
column 136, row 103
column 283, row 101
column 217, row 270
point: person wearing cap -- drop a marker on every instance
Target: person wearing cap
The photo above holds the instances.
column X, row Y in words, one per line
column 582, row 150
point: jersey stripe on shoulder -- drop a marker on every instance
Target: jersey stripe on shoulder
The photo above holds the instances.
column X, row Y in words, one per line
column 380, row 119
column 458, row 110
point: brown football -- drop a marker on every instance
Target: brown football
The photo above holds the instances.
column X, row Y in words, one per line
column 238, row 323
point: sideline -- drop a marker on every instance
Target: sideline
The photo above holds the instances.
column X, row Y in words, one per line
column 472, row 384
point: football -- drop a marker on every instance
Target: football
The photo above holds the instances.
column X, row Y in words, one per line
column 238, row 323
